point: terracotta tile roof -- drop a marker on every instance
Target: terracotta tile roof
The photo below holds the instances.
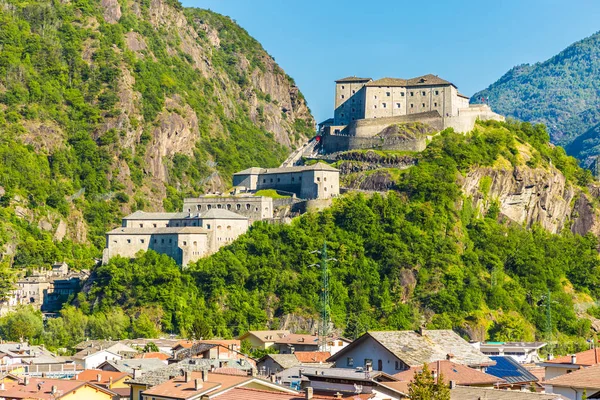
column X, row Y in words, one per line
column 184, row 344
column 588, row 357
column 91, row 375
column 312, row 356
column 41, row 388
column 256, row 394
column 294, row 338
column 582, row 378
column 216, row 383
column 474, row 393
column 461, row 374
column 158, row 355
column 230, row 371
column 428, row 79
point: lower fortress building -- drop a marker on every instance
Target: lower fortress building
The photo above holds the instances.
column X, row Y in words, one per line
column 364, row 108
column 210, row 222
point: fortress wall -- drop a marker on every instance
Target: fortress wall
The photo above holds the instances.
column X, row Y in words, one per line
column 333, row 143
column 465, row 121
column 371, row 127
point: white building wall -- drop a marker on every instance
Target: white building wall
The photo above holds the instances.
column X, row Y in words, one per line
column 371, row 350
column 94, row 360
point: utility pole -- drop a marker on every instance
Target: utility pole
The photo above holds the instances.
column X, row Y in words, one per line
column 325, row 318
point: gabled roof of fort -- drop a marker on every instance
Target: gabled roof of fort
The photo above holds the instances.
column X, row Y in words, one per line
column 315, row 167
column 425, row 80
column 141, row 215
column 216, row 213
column 353, row 79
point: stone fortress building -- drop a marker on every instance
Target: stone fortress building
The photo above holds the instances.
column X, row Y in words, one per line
column 318, row 181
column 364, row 108
column 210, row 222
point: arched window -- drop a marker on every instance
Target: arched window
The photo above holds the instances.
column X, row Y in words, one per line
column 219, row 206
column 199, row 207
column 229, row 227
column 238, row 207
column 209, row 206
column 248, row 206
column 219, row 227
column 229, row 206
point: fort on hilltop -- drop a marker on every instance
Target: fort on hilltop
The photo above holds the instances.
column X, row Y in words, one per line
column 364, row 108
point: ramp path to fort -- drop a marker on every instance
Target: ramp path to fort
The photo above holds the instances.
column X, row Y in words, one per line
column 307, row 149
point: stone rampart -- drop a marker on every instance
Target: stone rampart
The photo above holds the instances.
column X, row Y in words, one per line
column 336, row 143
column 373, row 126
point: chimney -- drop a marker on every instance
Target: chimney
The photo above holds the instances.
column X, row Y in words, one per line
column 204, row 375
column 99, row 378
column 338, row 395
column 449, row 356
column 308, row 394
column 2, row 386
column 137, row 373
column 452, row 384
column 368, row 367
column 550, row 357
column 187, row 376
column 574, row 359
column 110, row 382
column 54, row 390
column 197, row 384
column 26, row 381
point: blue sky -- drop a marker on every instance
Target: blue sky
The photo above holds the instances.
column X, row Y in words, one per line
column 471, row 43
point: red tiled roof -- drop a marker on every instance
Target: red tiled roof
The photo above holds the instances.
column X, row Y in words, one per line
column 156, row 354
column 582, row 378
column 31, row 390
column 91, row 375
column 230, row 371
column 312, row 356
column 588, row 357
column 180, row 389
column 295, row 338
column 461, row 374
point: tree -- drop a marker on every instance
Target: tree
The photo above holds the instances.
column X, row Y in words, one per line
column 7, row 280
column 150, row 347
column 23, row 324
column 425, row 387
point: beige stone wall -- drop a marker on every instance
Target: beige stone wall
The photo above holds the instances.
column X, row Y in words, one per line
column 349, row 102
column 320, row 185
column 385, row 101
column 160, row 223
column 223, row 231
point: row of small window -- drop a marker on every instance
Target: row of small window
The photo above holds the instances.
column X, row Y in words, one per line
column 398, row 105
column 227, row 206
column 388, row 94
column 176, row 224
column 279, row 180
column 399, row 365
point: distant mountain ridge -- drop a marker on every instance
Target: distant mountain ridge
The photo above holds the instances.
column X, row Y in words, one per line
column 562, row 92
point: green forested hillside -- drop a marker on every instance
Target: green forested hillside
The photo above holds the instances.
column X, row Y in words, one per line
column 417, row 256
column 111, row 106
column 562, row 93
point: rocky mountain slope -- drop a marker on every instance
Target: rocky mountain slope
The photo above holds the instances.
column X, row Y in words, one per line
column 115, row 105
column 562, row 92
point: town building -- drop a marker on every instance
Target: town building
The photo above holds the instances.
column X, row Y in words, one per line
column 91, row 359
column 452, row 372
column 458, row 392
column 513, row 373
column 185, row 236
column 577, row 385
column 115, row 381
column 271, row 364
column 522, row 352
column 570, row 363
column 283, row 341
column 318, row 181
column 47, row 388
column 396, row 351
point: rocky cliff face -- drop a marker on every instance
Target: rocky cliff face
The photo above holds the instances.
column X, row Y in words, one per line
column 531, row 196
column 169, row 102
